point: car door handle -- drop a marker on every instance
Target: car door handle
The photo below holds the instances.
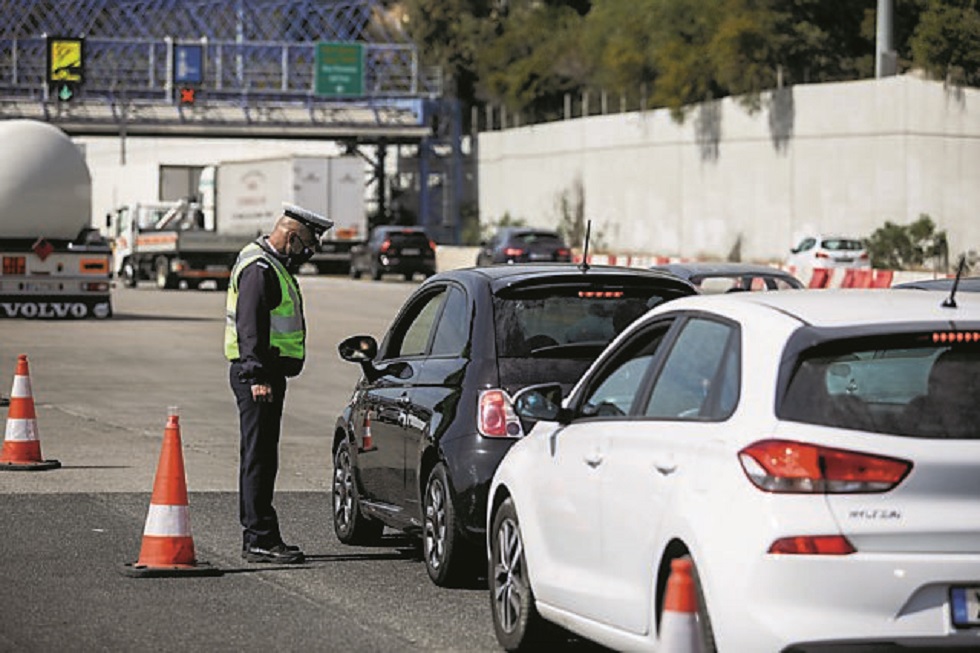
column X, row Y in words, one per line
column 593, row 460
column 665, row 469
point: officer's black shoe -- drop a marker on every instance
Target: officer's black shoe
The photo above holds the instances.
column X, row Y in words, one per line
column 278, row 554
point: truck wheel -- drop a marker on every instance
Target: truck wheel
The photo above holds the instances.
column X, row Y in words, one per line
column 129, row 274
column 165, row 280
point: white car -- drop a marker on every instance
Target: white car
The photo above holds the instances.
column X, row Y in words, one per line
column 829, row 252
column 816, row 455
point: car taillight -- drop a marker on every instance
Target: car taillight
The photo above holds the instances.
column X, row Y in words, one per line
column 563, row 251
column 497, row 418
column 821, row 255
column 385, row 246
column 825, row 545
column 513, row 251
column 797, row 467
column 863, row 256
column 432, row 245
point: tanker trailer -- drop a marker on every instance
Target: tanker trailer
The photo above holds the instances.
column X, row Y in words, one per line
column 55, row 264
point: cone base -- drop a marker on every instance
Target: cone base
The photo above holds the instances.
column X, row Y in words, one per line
column 200, row 568
column 38, row 466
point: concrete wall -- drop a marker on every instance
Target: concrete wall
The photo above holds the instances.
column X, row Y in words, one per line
column 829, row 158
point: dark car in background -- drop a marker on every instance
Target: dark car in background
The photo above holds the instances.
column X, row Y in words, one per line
column 712, row 278
column 523, row 245
column 394, row 250
column 431, row 416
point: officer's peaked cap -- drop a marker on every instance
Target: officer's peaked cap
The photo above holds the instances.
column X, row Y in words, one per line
column 316, row 222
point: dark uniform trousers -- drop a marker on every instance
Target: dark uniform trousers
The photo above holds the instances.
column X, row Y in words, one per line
column 259, row 450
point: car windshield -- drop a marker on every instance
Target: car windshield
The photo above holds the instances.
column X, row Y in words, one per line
column 912, row 388
column 842, row 244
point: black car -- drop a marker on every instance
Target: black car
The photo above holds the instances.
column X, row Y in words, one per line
column 966, row 284
column 523, row 245
column 431, row 417
column 394, row 250
column 713, row 278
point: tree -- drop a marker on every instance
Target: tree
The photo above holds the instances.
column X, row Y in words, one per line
column 946, row 41
column 899, row 247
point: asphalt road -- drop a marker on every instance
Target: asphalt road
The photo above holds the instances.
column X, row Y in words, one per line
column 102, row 390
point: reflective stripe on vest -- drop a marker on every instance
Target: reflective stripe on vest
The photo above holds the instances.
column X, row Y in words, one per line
column 286, row 329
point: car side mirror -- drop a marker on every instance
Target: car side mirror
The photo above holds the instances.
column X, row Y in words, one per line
column 540, row 402
column 361, row 350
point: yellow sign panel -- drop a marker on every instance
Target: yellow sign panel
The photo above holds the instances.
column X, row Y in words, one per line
column 65, row 60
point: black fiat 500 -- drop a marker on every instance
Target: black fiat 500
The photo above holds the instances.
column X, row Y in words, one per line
column 431, row 416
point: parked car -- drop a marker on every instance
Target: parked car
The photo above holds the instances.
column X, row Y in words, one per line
column 967, row 284
column 394, row 250
column 829, row 252
column 417, row 445
column 522, row 245
column 815, row 455
column 712, row 278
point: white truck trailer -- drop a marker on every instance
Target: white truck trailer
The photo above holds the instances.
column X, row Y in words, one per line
column 249, row 194
column 54, row 263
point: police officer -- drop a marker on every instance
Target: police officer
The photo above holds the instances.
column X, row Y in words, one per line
column 265, row 340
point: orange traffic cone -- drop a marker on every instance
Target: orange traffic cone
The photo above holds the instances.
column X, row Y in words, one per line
column 168, row 548
column 679, row 632
column 21, row 446
column 367, row 442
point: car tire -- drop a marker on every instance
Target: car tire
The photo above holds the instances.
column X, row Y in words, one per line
column 129, row 274
column 516, row 621
column 349, row 523
column 447, row 557
column 165, row 280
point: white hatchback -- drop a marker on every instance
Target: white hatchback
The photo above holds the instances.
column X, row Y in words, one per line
column 816, row 455
column 829, row 252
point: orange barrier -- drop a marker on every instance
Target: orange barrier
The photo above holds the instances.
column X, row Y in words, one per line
column 22, row 445
column 883, row 279
column 820, row 278
column 168, row 548
column 679, row 632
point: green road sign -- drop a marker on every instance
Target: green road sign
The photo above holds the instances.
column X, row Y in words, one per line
column 339, row 69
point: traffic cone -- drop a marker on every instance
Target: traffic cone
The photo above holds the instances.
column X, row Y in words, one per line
column 21, row 446
column 679, row 632
column 168, row 548
column 367, row 442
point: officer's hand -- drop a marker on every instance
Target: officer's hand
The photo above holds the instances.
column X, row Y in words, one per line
column 261, row 392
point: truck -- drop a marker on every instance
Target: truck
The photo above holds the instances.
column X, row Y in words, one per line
column 174, row 245
column 55, row 263
column 251, row 192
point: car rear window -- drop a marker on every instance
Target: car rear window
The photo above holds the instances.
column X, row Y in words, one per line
column 409, row 239
column 537, row 238
column 842, row 244
column 554, row 333
column 908, row 386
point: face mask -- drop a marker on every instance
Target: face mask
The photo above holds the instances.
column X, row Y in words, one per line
column 294, row 260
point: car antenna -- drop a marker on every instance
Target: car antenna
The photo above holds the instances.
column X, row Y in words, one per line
column 950, row 302
column 585, row 248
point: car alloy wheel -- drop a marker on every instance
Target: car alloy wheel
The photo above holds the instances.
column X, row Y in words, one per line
column 349, row 524
column 516, row 621
column 444, row 551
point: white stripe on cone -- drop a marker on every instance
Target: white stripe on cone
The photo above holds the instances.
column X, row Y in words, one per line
column 679, row 633
column 168, row 521
column 21, row 388
column 21, row 430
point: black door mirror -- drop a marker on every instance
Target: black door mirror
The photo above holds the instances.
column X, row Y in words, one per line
column 540, row 402
column 358, row 349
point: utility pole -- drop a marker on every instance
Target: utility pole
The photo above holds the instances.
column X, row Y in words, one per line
column 886, row 59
